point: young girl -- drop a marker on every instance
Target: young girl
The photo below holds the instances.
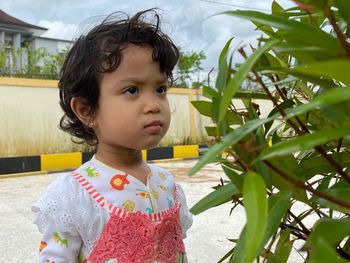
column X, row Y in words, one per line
column 115, row 207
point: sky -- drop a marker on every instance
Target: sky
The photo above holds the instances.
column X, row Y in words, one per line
column 194, row 25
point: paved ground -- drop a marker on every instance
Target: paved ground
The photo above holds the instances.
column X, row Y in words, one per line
column 207, row 239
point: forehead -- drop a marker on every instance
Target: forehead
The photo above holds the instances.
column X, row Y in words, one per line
column 137, row 63
column 133, row 55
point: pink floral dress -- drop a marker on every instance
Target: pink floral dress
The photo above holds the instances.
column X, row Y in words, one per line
column 99, row 214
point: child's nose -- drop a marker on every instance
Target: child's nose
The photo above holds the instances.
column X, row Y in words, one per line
column 152, row 105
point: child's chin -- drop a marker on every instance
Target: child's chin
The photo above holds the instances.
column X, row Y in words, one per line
column 150, row 145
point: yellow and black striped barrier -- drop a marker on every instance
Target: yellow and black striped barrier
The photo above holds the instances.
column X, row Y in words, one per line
column 10, row 166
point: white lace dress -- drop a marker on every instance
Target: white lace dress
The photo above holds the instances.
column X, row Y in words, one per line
column 71, row 218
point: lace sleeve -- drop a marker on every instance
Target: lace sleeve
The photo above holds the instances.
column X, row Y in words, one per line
column 186, row 216
column 55, row 207
column 67, row 208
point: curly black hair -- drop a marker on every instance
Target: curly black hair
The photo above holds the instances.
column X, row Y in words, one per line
column 100, row 51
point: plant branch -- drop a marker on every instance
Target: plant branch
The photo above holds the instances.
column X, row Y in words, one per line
column 282, row 95
column 275, row 103
column 342, row 39
column 301, row 184
column 238, row 160
column 299, row 222
column 303, row 130
column 269, row 248
column 294, row 230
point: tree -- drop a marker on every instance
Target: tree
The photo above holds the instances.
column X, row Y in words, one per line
column 300, row 152
column 189, row 66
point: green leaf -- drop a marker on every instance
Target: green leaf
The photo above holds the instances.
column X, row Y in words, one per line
column 306, row 53
column 235, row 178
column 264, row 171
column 340, row 230
column 284, row 105
column 241, row 73
column 209, row 92
column 338, row 114
column 256, row 206
column 303, row 142
column 219, row 196
column 251, row 95
column 228, row 254
column 326, row 98
column 276, row 8
column 323, row 252
column 283, row 248
column 317, row 165
column 322, row 82
column 344, row 9
column 346, row 246
column 203, row 107
column 230, row 139
column 323, row 242
column 222, row 74
column 334, row 69
column 206, row 108
column 341, row 193
column 239, row 253
column 314, row 35
column 211, row 131
column 278, row 205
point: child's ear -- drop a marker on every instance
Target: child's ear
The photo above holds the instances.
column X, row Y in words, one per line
column 82, row 110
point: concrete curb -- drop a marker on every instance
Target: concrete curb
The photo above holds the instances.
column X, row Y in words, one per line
column 40, row 164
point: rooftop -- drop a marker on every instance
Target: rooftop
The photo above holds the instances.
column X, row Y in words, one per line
column 7, row 19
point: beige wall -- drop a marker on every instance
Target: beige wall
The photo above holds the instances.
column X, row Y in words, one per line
column 30, row 113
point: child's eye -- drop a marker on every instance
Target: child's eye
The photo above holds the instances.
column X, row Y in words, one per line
column 132, row 90
column 162, row 89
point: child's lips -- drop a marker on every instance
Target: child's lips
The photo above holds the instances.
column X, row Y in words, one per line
column 154, row 127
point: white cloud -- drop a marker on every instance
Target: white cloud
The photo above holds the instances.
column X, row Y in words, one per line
column 58, row 29
column 189, row 22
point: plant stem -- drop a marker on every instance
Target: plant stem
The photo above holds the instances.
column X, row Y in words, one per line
column 282, row 95
column 339, row 144
column 300, row 223
column 238, row 160
column 303, row 130
column 274, row 101
column 269, row 248
column 294, row 231
column 301, row 184
column 342, row 39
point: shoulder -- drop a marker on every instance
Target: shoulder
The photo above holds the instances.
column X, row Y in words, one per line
column 161, row 172
column 65, row 204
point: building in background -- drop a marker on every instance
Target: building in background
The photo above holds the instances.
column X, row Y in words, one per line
column 15, row 33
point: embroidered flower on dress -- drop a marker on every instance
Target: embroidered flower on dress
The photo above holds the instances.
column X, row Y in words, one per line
column 91, row 172
column 162, row 187
column 59, row 240
column 154, row 193
column 162, row 176
column 144, row 195
column 118, row 181
column 43, row 245
column 129, row 205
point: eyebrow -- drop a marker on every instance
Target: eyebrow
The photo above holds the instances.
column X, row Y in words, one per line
column 141, row 81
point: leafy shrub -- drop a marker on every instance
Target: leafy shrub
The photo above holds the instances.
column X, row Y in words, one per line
column 299, row 153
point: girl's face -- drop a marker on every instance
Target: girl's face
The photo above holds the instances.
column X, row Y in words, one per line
column 133, row 110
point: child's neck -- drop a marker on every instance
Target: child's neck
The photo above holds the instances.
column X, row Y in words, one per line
column 129, row 161
column 119, row 158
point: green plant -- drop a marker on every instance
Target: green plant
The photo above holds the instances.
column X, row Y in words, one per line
column 30, row 63
column 299, row 153
column 188, row 66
